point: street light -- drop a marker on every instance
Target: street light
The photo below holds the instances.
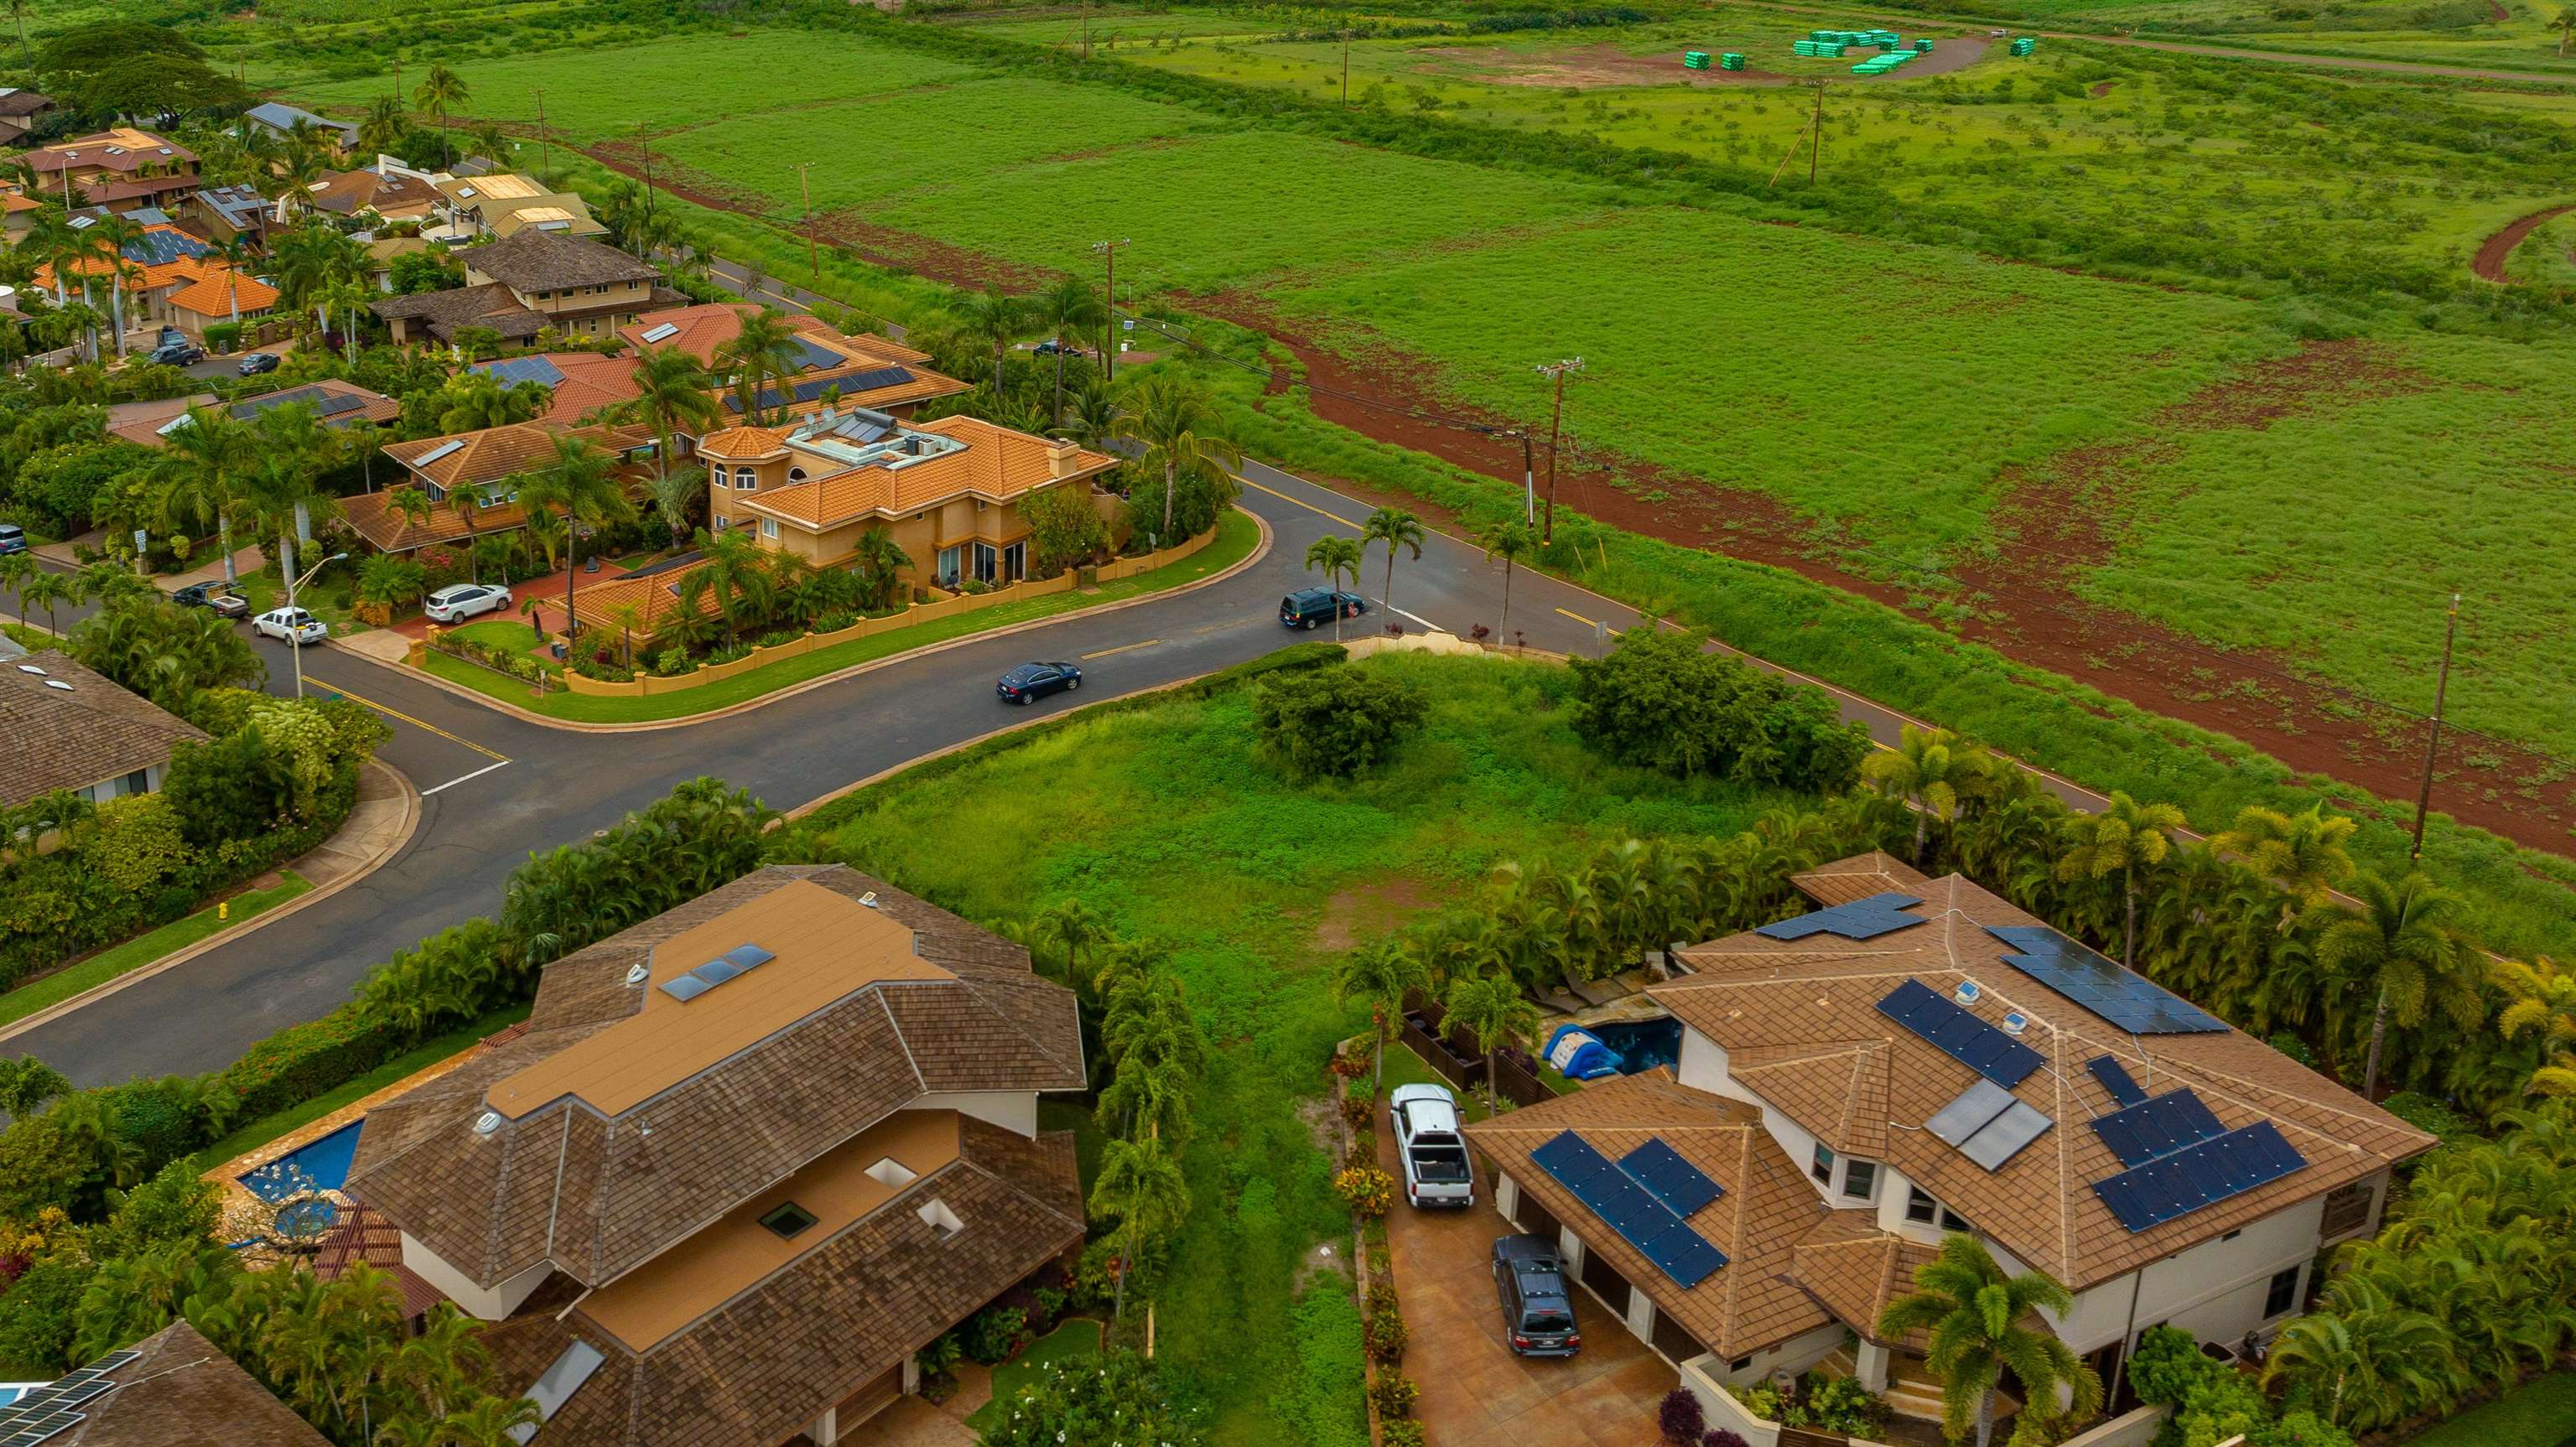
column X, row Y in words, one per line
column 295, row 635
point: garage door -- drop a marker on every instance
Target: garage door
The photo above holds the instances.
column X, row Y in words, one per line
column 1605, row 1281
column 1676, row 1344
column 1535, row 1219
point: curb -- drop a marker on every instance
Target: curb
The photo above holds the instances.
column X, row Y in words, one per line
column 1260, row 550
column 410, row 826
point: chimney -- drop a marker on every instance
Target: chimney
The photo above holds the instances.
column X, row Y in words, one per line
column 1063, row 460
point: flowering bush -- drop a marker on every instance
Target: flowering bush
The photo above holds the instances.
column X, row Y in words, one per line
column 1386, row 1337
column 1681, row 1417
column 1392, row 1394
column 1366, row 1189
column 1115, row 1398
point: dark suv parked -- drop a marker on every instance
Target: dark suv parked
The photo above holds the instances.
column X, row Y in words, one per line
column 1538, row 1311
column 1311, row 606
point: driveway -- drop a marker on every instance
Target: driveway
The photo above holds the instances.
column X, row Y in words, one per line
column 1474, row 1391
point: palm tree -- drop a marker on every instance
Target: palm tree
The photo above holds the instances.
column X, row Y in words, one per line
column 477, row 402
column 1493, row 1009
column 46, row 591
column 2543, row 999
column 205, row 462
column 1396, row 528
column 1141, row 1187
column 1974, row 1312
column 111, row 235
column 19, row 10
column 492, row 144
column 1074, row 928
column 580, row 481
column 2301, row 853
column 2565, row 25
column 52, row 240
column 993, row 317
column 468, row 503
column 1512, row 541
column 1173, row 419
column 2127, row 839
column 411, row 505
column 737, row 574
column 1068, row 308
column 1382, row 972
column 441, row 92
column 381, row 128
column 2408, row 946
column 1094, row 420
column 2366, row 1364
column 763, row 349
column 1333, row 555
column 671, row 392
column 1934, row 771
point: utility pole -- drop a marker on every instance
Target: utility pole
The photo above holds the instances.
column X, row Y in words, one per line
column 648, row 187
column 1529, row 478
column 1817, row 150
column 1555, row 427
column 545, row 152
column 1086, row 29
column 813, row 258
column 1109, row 329
column 2433, row 740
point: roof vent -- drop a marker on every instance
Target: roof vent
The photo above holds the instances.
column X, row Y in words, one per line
column 488, row 1122
column 1968, row 992
column 58, row 683
column 31, row 668
column 2015, row 1022
column 869, row 899
column 638, row 974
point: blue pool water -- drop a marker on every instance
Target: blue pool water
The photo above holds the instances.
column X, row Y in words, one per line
column 322, row 1163
column 1642, row 1045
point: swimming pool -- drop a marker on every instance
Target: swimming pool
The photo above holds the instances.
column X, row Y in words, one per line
column 320, row 1164
column 1641, row 1045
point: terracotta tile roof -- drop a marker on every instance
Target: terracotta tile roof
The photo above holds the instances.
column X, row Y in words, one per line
column 216, row 293
column 583, row 382
column 53, row 738
column 654, row 596
column 181, row 1392
column 1778, row 1004
column 872, row 385
column 997, row 464
column 363, row 1237
column 702, row 329
column 141, row 422
column 743, row 444
column 1855, row 1270
column 1765, row 1208
column 597, row 1190
column 534, row 260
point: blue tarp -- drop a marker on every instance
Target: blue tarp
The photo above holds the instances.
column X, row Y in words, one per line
column 1577, row 1055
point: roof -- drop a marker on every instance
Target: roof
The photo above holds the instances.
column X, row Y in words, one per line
column 1854, row 1269
column 216, row 294
column 997, row 464
column 141, row 422
column 281, row 118
column 743, row 444
column 700, row 330
column 616, row 1127
column 123, row 149
column 166, row 254
column 384, row 250
column 173, row 1389
column 484, row 304
column 494, row 453
column 344, row 193
column 1801, row 1025
column 533, row 260
column 562, row 215
column 15, row 101
column 583, row 382
column 236, row 204
column 655, row 597
column 360, row 1237
column 500, row 185
column 335, row 402
column 1764, row 1207
column 69, row 738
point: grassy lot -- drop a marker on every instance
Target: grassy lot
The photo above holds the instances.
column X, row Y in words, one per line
column 1157, row 809
column 2542, row 1414
column 1073, row 1340
column 1237, row 536
column 143, row 949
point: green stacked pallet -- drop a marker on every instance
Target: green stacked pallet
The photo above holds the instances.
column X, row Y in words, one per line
column 2024, row 44
column 1732, row 60
column 1882, row 64
column 1922, row 44
column 1819, row 49
column 1695, row 60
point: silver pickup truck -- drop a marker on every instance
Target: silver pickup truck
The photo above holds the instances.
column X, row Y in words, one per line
column 1436, row 1169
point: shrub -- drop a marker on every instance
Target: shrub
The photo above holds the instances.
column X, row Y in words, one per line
column 139, row 840
column 995, row 1333
column 1407, row 1433
column 1381, row 1296
column 1118, row 1397
column 1835, row 1404
column 1681, row 1417
column 1366, row 1190
column 1334, row 722
column 1363, row 1152
column 1385, row 1337
column 1662, row 701
column 1393, row 1394
column 1359, row 1105
column 1721, row 1437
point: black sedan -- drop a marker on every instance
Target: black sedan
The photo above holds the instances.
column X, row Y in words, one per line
column 1030, row 682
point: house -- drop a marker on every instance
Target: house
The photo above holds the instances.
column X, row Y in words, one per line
column 119, row 169
column 163, row 257
column 949, row 491
column 747, row 1159
column 21, row 111
column 171, row 1389
column 485, row 465
column 224, row 212
column 532, row 282
column 280, row 120
column 336, row 404
column 220, row 296
column 17, row 212
column 350, row 195
column 1919, row 1057
column 583, row 382
column 504, row 203
column 65, row 727
column 384, row 252
column 860, row 371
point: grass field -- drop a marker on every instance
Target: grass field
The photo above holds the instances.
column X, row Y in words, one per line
column 2542, row 1414
column 1160, row 809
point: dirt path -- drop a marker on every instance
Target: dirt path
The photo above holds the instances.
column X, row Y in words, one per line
column 2498, row 249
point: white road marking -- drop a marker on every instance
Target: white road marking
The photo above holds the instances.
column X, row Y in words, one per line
column 461, row 778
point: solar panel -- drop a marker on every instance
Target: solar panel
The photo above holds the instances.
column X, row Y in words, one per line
column 685, row 987
column 113, row 1360
column 1641, row 1219
column 812, row 358
column 435, row 453
column 1674, row 1181
column 1962, row 1036
column 660, row 332
column 1968, row 1112
column 2199, row 1175
column 744, row 957
column 2156, row 1127
column 811, row 388
column 2115, row 1079
column 1862, row 919
column 2124, row 998
column 523, row 369
column 2003, row 1137
column 74, row 1396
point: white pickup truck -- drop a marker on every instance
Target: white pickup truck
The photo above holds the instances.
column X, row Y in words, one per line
column 1436, row 1169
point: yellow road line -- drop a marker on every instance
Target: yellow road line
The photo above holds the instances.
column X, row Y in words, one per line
column 1121, row 648
column 415, row 723
column 1579, row 618
column 1308, row 506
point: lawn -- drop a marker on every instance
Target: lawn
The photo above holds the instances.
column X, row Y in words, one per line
column 1163, row 819
column 1237, row 536
column 2538, row 1415
column 143, row 949
column 1074, row 1339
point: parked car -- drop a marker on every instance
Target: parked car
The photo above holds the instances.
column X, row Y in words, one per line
column 258, row 362
column 291, row 625
column 1310, row 606
column 1538, row 1311
column 181, row 353
column 459, row 601
column 13, row 539
column 1032, row 681
column 1053, row 346
column 225, row 602
column 1436, row 1169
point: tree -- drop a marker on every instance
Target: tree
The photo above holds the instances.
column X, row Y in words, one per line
column 1068, row 308
column 765, row 348
column 671, row 392
column 1512, row 541
column 1074, row 928
column 879, row 561
column 1064, row 528
column 169, row 654
column 1493, row 1009
column 19, row 10
column 111, row 235
column 2366, row 1365
column 1666, row 701
column 410, row 504
column 2542, row 999
column 2565, row 25
column 1175, row 422
column 1093, row 422
column 1140, row 1186
column 44, row 590
column 736, row 570
column 992, row 317
column 477, row 402
column 1334, row 722
column 2302, row 854
column 1396, row 528
column 440, row 92
column 1382, row 973
column 580, row 481
column 1974, row 1313
column 2408, row 948
column 381, row 129
column 1333, row 555
column 1935, row 772
column 2127, row 840
column 203, row 464
column 468, row 503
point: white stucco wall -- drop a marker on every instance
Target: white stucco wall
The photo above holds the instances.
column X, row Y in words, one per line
column 2215, row 1289
column 1012, row 1110
column 487, row 1303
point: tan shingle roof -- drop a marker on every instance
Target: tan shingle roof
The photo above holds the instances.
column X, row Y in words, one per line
column 52, row 738
column 497, row 452
column 1773, row 1003
column 1766, row 1207
column 704, row 328
column 1855, row 1270
column 181, row 1392
column 534, row 260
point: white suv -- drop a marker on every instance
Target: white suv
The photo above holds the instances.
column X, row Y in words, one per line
column 459, row 601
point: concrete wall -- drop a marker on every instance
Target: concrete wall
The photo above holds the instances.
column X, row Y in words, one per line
column 2136, row 1429
column 1718, row 1405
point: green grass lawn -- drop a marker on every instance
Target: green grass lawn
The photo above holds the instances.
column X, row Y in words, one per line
column 1073, row 1339
column 1237, row 536
column 2542, row 1414
column 143, row 949
column 1161, row 817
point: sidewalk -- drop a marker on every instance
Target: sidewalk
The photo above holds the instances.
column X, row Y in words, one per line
column 246, row 561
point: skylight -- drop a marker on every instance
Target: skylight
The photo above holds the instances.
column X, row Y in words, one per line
column 658, row 333
column 786, row 1220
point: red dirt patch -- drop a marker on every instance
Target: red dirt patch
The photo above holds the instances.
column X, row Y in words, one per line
column 957, row 266
column 2489, row 264
column 2101, row 89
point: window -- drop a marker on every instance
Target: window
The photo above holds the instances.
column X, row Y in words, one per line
column 1015, row 566
column 745, row 480
column 1823, row 1169
column 795, row 474
column 716, row 475
column 723, row 523
column 769, row 527
column 1860, row 1179
column 1919, row 1208
column 2284, row 1292
column 786, row 1219
column 1739, row 1364
column 948, row 567
column 988, row 561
